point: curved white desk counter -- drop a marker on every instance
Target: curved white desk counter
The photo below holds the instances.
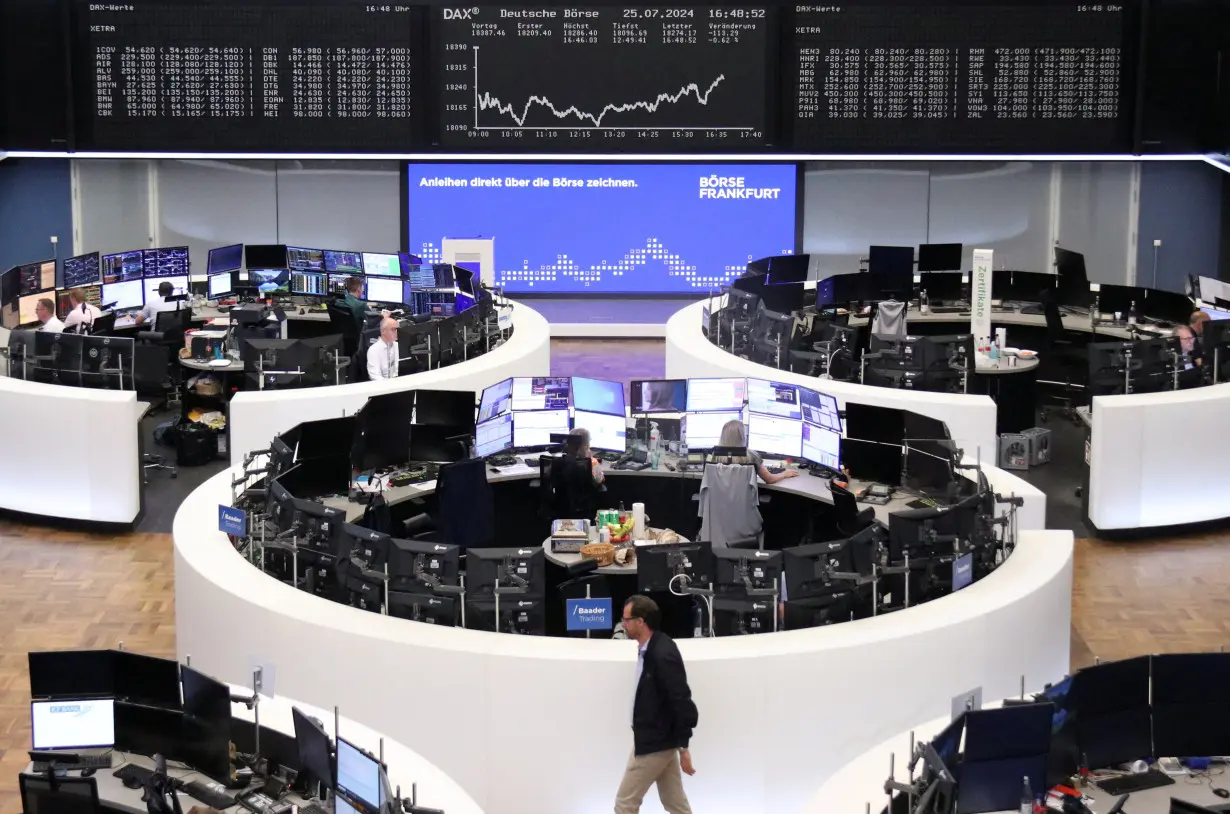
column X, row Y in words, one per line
column 541, row 724
column 99, row 482
column 1140, row 442
column 970, row 419
column 256, row 417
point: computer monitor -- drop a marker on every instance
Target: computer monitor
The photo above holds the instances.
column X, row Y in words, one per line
column 598, row 396
column 704, row 430
column 716, row 395
column 221, row 285
column 150, row 286
column 168, row 261
column 870, row 423
column 807, row 569
column 382, row 289
column 660, row 565
column 302, row 259
column 737, row 569
column 1002, row 745
column 206, row 723
column 1178, row 806
column 35, row 277
column 336, row 283
column 496, row 400
column 315, row 749
column 27, row 313
column 519, row 615
column 124, row 296
column 820, row 408
column 343, row 262
column 928, row 466
column 1070, row 266
column 943, row 285
column 493, row 436
column 440, row 443
column 1126, row 299
column 1113, row 720
column 487, row 568
column 123, row 267
column 1170, row 306
column 225, row 258
column 85, row 723
column 368, row 545
column 205, row 697
column 786, row 269
column 309, row 283
column 84, row 269
column 424, row 607
column 453, row 408
column 939, row 257
column 358, row 775
column 534, row 428
column 606, row 432
column 541, row 393
column 821, row 446
column 1191, row 715
column 149, row 680
column 445, row 276
column 892, row 272
column 71, row 673
column 149, row 730
column 1023, row 286
column 269, row 282
column 381, row 265
column 418, row 275
column 773, row 435
column 659, row 396
column 423, row 565
column 773, row 398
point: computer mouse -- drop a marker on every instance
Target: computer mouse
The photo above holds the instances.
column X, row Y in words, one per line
column 88, row 771
column 1222, row 793
column 131, row 782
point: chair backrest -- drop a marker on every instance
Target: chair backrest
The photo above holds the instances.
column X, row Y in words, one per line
column 103, row 324
column 67, row 795
column 465, row 510
column 845, row 506
column 573, row 493
column 342, row 320
column 729, row 505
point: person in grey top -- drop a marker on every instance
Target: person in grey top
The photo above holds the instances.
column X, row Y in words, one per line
column 734, row 435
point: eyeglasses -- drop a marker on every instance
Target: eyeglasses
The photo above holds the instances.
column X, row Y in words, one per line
column 627, row 619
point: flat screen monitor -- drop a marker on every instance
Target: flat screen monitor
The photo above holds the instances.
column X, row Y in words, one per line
column 27, row 306
column 309, row 283
column 123, row 267
column 440, row 443
column 534, row 428
column 149, row 680
column 787, row 269
column 419, row 275
column 225, row 258
column 205, row 697
column 382, row 289
column 269, row 282
column 660, row 396
column 124, row 296
column 81, row 270
column 343, row 262
column 150, row 287
column 940, row 257
column 820, row 408
column 821, row 446
column 496, row 400
column 493, row 436
column 716, row 395
column 702, row 430
column 446, row 408
column 358, row 775
column 264, row 256
column 301, row 259
column 169, row 261
column 1070, row 266
column 337, row 283
column 541, row 393
column 10, row 285
column 381, row 265
column 773, row 398
column 64, row 301
column 774, row 435
column 315, row 750
column 71, row 673
column 598, row 396
column 608, row 432
column 872, row 423
column 1191, row 715
column 444, row 274
column 465, row 281
column 35, row 277
column 221, row 285
column 892, row 271
column 943, row 285
column 86, row 723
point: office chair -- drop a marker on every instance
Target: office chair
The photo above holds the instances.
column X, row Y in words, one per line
column 464, row 510
column 850, row 520
column 60, row 795
column 1064, row 357
column 104, row 324
column 152, row 375
column 729, row 507
column 771, row 335
column 168, row 331
column 567, row 488
column 342, row 321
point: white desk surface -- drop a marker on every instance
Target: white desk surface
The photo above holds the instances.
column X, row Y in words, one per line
column 1011, row 315
column 1005, row 365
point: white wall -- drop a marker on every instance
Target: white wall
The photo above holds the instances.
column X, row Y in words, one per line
column 1097, row 216
column 112, row 206
column 529, row 724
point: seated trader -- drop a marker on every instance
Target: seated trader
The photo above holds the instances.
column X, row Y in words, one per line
column 46, row 312
column 733, row 436
column 158, row 304
column 80, row 317
column 578, row 448
column 576, row 478
column 382, row 355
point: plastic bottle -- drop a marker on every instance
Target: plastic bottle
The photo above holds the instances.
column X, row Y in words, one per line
column 697, row 622
column 655, row 437
column 924, row 304
column 1027, row 798
column 994, row 352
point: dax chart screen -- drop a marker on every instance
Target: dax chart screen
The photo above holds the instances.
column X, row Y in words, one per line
column 661, row 79
column 607, row 228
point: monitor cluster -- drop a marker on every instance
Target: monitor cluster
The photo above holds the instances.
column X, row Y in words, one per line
column 524, row 413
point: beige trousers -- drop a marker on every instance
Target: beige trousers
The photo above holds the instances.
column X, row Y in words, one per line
column 642, row 772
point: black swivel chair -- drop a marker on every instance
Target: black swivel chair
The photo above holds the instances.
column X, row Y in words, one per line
column 61, row 795
column 341, row 320
column 850, row 519
column 104, row 324
column 1063, row 357
column 568, row 488
column 465, row 508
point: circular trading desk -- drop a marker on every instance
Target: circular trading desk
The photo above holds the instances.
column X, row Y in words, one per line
column 257, row 416
column 541, row 724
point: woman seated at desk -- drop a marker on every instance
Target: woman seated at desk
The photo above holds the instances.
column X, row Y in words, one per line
column 734, row 435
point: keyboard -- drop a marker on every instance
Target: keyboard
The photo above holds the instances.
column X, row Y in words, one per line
column 314, row 808
column 948, row 309
column 1131, row 783
column 211, row 794
column 130, row 770
column 82, row 762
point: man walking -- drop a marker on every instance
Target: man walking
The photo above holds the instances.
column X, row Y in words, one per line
column 663, row 716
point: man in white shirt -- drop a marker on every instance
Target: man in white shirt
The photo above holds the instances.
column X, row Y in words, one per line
column 158, row 304
column 382, row 355
column 80, row 318
column 46, row 311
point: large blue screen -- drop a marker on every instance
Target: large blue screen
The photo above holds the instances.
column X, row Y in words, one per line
column 607, row 228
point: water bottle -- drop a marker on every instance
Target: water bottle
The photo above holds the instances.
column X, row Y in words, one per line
column 1027, row 798
column 924, row 303
column 697, row 623
column 654, row 436
column 994, row 354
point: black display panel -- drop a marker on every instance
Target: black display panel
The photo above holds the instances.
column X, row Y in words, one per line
column 599, row 78
column 888, row 75
column 281, row 75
